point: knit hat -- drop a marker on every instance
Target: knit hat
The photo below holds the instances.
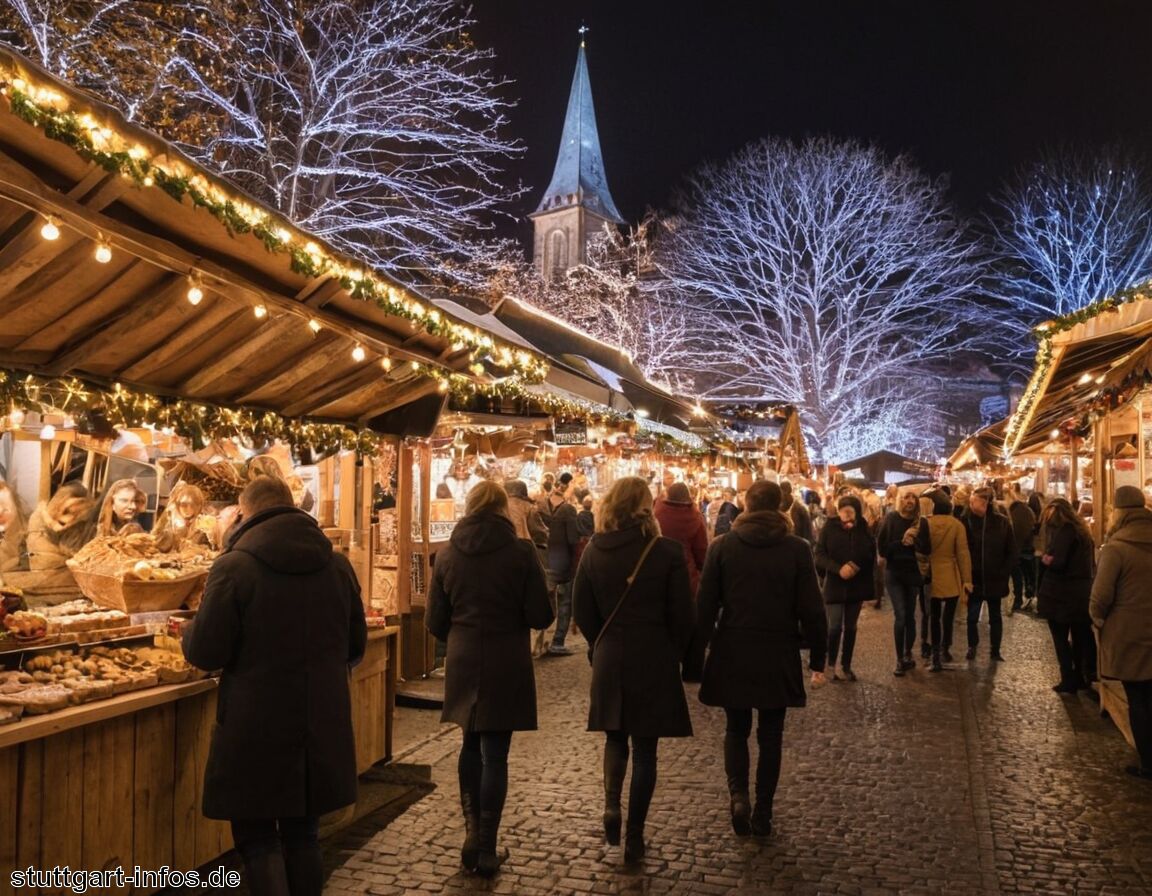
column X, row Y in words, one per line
column 1128, row 496
column 941, row 504
column 677, row 493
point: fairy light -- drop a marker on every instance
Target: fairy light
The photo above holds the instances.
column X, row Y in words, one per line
column 50, row 231
column 314, row 325
column 261, row 311
column 103, row 253
column 358, row 354
column 195, row 294
column 386, row 363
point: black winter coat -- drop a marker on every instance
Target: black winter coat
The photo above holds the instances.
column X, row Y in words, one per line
column 282, row 617
column 1066, row 586
column 636, row 666
column 837, row 546
column 901, row 560
column 1023, row 526
column 757, row 592
column 992, row 544
column 563, row 534
column 488, row 592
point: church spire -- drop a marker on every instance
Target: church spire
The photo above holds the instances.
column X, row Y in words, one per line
column 579, row 179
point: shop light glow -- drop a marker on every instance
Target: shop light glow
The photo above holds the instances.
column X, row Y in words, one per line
column 50, row 231
column 358, row 354
column 103, row 253
column 261, row 311
column 195, row 294
column 314, row 325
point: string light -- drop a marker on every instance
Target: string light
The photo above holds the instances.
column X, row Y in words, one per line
column 16, row 417
column 103, row 253
column 358, row 354
column 314, row 325
column 50, row 231
column 386, row 363
column 48, row 432
column 195, row 293
column 261, row 311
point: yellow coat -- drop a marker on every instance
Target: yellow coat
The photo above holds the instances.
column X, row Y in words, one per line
column 951, row 562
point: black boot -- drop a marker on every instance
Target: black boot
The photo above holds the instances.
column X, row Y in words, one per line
column 736, row 769
column 266, row 875
column 615, row 767
column 488, row 860
column 937, row 666
column 470, row 851
column 634, row 847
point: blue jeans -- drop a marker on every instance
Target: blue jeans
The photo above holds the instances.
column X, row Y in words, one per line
column 904, row 598
column 995, row 623
column 842, row 617
column 563, row 612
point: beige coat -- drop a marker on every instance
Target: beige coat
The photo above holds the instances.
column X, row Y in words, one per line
column 951, row 563
column 1121, row 603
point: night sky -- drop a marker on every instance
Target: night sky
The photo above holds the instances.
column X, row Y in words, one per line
column 969, row 88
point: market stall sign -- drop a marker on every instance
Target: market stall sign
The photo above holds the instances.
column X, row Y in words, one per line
column 570, row 434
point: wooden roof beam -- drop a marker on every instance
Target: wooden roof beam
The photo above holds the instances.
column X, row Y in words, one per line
column 343, row 386
column 326, row 350
column 399, row 393
column 249, row 345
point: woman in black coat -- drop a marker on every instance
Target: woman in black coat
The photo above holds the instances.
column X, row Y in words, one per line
column 633, row 602
column 487, row 594
column 282, row 617
column 846, row 552
column 757, row 592
column 1064, row 592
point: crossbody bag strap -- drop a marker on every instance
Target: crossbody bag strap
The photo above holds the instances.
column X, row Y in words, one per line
column 635, row 571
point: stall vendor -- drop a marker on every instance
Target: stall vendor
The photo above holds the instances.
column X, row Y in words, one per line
column 13, row 527
column 123, row 503
column 57, row 529
column 184, row 520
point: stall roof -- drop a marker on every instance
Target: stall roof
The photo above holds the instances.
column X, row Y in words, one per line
column 1078, row 360
column 980, row 449
column 171, row 225
column 888, row 467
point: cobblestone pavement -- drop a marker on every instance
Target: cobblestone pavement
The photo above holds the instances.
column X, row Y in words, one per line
column 976, row 780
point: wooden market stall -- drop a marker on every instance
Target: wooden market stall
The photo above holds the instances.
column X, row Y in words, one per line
column 1090, row 392
column 133, row 280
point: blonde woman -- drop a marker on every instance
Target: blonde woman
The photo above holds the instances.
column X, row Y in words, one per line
column 487, row 594
column 633, row 602
column 13, row 529
column 184, row 519
column 123, row 503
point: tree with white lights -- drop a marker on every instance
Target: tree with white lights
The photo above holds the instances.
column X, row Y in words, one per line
column 372, row 123
column 1071, row 229
column 842, row 282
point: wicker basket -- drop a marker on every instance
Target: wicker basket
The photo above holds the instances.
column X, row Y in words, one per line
column 138, row 596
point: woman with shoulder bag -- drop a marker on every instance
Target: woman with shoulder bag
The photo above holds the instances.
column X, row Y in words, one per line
column 633, row 602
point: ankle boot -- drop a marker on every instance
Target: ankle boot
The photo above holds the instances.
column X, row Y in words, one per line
column 761, row 822
column 937, row 666
column 470, row 851
column 736, row 769
column 266, row 875
column 634, row 847
column 615, row 768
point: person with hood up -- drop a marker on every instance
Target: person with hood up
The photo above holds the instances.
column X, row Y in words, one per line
column 758, row 591
column 950, row 574
column 282, row 617
column 846, row 552
column 1063, row 595
column 487, row 593
column 903, row 535
column 681, row 521
column 634, row 604
column 1121, row 608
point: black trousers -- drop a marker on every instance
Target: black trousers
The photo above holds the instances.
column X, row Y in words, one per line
column 1140, row 718
column 770, row 740
column 942, row 628
column 1075, row 651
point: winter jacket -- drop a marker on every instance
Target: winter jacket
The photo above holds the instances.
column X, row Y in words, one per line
column 838, row 546
column 950, row 561
column 488, row 592
column 992, row 548
column 563, row 534
column 282, row 617
column 1121, row 601
column 1023, row 526
column 685, row 524
column 1066, row 585
column 726, row 514
column 758, row 592
column 801, row 520
column 636, row 665
column 901, row 560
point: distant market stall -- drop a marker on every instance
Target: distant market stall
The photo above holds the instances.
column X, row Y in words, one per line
column 883, row 468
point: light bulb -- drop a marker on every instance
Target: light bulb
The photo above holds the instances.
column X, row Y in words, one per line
column 48, row 432
column 358, row 354
column 442, row 385
column 314, row 325
column 103, row 253
column 261, row 311
column 16, row 417
column 195, row 294
column 50, row 231
column 386, row 363
column 415, row 365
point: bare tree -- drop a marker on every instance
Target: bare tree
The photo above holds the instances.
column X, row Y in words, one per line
column 372, row 123
column 841, row 282
column 1072, row 229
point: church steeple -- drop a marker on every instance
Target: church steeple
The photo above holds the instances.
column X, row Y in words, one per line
column 577, row 202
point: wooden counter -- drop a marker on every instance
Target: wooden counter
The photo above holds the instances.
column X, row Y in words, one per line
column 118, row 782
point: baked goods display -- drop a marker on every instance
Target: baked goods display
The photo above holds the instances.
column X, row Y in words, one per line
column 26, row 626
column 137, row 556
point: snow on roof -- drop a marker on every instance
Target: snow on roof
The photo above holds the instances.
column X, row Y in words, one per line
column 487, row 322
column 611, row 377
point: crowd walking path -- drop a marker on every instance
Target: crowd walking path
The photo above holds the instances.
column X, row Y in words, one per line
column 977, row 780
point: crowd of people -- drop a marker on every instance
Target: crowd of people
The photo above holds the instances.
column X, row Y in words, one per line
column 729, row 589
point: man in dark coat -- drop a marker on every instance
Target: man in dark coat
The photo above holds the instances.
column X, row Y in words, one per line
column 846, row 552
column 801, row 519
column 992, row 545
column 758, row 591
column 563, row 536
column 282, row 617
column 1024, row 525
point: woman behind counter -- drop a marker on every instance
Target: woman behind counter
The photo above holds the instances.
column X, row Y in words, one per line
column 633, row 603
column 184, row 519
column 488, row 592
column 123, row 503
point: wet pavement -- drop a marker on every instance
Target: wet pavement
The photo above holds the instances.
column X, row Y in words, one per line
column 977, row 780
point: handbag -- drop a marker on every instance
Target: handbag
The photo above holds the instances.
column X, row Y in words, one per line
column 627, row 588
